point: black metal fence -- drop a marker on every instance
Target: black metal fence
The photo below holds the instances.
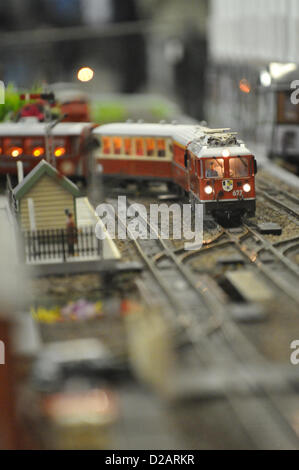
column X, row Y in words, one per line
column 61, row 244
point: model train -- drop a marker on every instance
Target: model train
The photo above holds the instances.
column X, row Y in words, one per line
column 211, row 165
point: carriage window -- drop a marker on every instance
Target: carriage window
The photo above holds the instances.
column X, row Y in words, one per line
column 117, row 145
column 238, row 166
column 106, row 145
column 128, row 146
column 150, row 147
column 161, row 148
column 214, row 168
column 139, row 147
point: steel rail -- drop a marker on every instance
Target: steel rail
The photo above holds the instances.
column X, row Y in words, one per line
column 219, row 321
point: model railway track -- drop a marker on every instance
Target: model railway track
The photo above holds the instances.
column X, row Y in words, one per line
column 201, row 315
column 289, row 241
column 268, row 246
column 254, row 257
column 150, row 252
column 289, row 247
column 208, row 244
column 281, row 199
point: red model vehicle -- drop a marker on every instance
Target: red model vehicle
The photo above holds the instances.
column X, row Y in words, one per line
column 75, row 111
column 135, row 151
column 29, row 141
column 211, row 165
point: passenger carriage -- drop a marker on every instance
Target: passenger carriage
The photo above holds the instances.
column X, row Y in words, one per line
column 30, row 141
column 133, row 152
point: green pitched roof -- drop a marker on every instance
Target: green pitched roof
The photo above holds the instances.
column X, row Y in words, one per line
column 44, row 168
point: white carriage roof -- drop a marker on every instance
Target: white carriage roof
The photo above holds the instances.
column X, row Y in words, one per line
column 24, row 129
column 150, row 130
column 195, row 136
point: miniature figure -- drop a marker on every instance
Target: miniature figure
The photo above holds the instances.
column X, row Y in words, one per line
column 71, row 233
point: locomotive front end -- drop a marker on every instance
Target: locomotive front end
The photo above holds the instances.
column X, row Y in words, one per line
column 228, row 187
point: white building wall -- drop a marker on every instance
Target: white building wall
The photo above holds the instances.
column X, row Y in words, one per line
column 254, row 30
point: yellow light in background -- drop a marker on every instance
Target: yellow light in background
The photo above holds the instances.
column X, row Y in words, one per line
column 85, row 74
column 16, row 152
column 38, row 151
column 59, row 151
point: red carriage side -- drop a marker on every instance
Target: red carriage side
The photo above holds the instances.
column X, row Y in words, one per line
column 29, row 142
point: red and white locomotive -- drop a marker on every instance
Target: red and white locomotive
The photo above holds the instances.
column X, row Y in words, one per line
column 211, row 165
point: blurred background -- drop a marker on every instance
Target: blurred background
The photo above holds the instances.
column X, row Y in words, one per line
column 133, row 46
column 211, row 57
column 221, row 61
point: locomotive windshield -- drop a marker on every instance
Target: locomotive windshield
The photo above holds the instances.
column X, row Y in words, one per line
column 238, row 167
column 214, row 168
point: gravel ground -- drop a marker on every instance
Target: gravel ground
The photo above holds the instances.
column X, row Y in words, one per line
column 263, row 175
column 267, row 213
column 70, row 286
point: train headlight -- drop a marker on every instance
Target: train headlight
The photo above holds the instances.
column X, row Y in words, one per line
column 16, row 152
column 38, row 151
column 208, row 189
column 247, row 188
column 59, row 151
column 226, row 153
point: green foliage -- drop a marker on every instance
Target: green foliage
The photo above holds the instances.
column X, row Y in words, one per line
column 13, row 102
column 108, row 112
column 159, row 110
